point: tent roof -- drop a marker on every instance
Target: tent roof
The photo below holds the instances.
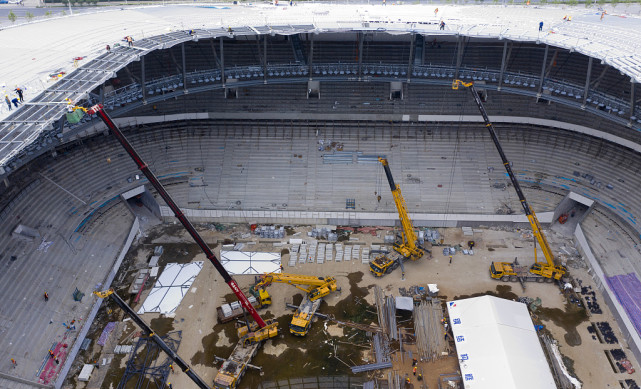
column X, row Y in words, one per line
column 497, row 344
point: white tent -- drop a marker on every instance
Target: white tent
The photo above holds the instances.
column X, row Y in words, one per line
column 497, row 345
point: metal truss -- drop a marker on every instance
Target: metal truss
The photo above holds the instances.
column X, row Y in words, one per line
column 148, row 365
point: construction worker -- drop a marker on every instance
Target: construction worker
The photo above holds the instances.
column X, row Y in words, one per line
column 407, row 380
column 51, row 354
column 14, row 363
column 171, row 366
column 169, row 385
column 414, row 361
column 47, row 298
column 420, row 377
column 414, row 371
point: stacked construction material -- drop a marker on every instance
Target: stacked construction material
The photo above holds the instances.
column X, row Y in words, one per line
column 328, row 252
column 365, row 257
column 302, row 256
column 429, row 329
column 270, row 232
column 339, row 252
column 356, row 252
column 293, row 255
column 320, row 257
column 590, row 300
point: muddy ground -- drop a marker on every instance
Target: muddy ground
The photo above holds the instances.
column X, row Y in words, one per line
column 329, row 349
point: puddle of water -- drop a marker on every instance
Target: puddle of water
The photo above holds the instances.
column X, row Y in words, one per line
column 502, row 290
column 568, row 319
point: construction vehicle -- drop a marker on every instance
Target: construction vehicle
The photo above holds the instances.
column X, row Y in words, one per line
column 384, row 264
column 546, row 271
column 234, row 367
column 406, row 246
column 255, row 337
column 157, row 339
column 315, row 289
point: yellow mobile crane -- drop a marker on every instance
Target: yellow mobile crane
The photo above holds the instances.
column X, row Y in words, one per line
column 507, row 271
column 315, row 289
column 406, row 246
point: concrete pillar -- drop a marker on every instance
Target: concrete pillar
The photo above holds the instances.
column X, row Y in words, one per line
column 541, row 78
column 587, row 81
column 311, row 56
column 142, row 77
column 222, row 62
column 182, row 48
column 361, row 37
column 502, row 65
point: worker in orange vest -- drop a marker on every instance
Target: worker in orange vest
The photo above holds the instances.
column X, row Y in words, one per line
column 414, row 370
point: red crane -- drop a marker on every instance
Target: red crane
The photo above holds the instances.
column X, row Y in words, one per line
column 98, row 110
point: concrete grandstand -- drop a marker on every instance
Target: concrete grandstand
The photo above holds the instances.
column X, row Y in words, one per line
column 232, row 105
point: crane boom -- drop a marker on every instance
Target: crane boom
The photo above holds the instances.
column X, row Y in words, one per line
column 531, row 216
column 156, row 339
column 408, row 247
column 144, row 168
column 317, row 287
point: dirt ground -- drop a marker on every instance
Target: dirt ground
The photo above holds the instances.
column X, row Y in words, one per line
column 465, row 276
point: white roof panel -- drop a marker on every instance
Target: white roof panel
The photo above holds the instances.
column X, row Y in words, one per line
column 497, row 335
column 250, row 262
column 171, row 287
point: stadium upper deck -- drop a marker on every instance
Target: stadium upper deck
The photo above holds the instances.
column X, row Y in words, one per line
column 30, row 53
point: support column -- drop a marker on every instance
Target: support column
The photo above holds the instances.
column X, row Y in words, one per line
column 311, row 56
column 361, row 37
column 102, row 95
column 265, row 58
column 587, row 82
column 144, row 87
column 545, row 60
column 222, row 63
column 502, row 65
column 182, row 48
column 411, row 61
column 632, row 87
column 459, row 55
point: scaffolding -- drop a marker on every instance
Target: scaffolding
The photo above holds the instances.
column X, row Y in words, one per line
column 148, row 365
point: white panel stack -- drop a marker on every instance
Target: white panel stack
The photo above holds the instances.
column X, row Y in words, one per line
column 328, row 252
column 302, row 257
column 339, row 252
column 320, row 256
column 311, row 257
column 348, row 253
column 356, row 252
column 293, row 257
column 365, row 257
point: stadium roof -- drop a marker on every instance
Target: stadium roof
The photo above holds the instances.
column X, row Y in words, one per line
column 31, row 53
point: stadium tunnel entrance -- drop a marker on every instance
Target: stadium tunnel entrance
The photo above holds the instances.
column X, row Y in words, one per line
column 141, row 202
column 570, row 212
